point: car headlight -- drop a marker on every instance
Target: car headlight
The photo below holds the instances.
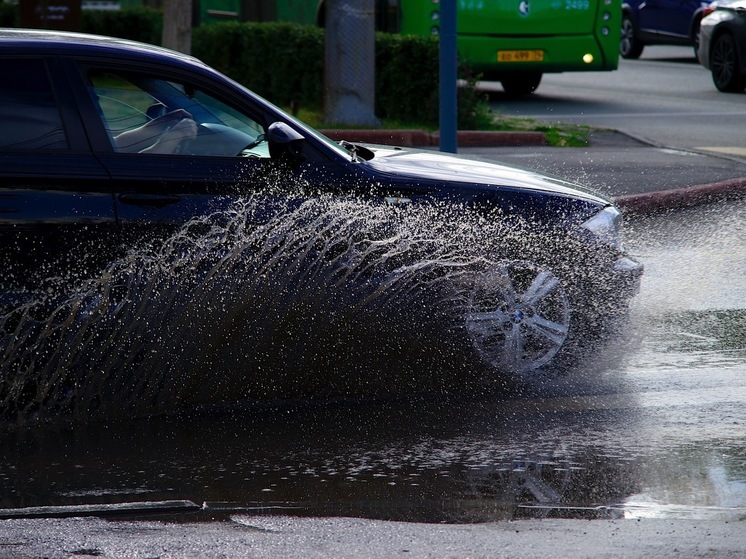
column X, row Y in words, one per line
column 606, row 225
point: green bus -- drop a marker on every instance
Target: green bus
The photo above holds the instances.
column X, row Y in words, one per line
column 511, row 41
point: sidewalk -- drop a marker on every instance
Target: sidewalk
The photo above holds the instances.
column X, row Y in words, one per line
column 269, row 537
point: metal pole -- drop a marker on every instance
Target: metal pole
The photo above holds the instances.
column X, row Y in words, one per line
column 448, row 77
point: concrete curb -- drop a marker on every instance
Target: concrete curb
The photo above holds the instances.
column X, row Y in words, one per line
column 420, row 138
column 640, row 204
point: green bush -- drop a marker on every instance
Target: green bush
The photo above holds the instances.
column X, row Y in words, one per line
column 8, row 15
column 138, row 24
column 407, row 78
column 474, row 111
column 283, row 62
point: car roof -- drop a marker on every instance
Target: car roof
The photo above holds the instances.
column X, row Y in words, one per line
column 66, row 42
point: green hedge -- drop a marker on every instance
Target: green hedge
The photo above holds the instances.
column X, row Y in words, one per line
column 8, row 15
column 138, row 24
column 407, row 84
column 407, row 77
column 283, row 62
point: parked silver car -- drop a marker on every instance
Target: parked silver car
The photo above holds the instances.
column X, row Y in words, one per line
column 723, row 44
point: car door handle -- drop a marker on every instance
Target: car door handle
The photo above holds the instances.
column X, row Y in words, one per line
column 148, row 200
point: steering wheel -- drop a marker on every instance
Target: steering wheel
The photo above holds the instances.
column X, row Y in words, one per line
column 217, row 140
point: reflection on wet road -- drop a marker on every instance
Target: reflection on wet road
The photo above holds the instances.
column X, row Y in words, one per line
column 656, row 426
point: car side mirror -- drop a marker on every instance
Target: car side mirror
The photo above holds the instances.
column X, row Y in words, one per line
column 284, row 142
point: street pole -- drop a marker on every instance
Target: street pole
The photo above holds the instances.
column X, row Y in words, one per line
column 448, row 77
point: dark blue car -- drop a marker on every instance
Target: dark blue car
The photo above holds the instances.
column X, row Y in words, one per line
column 109, row 147
column 660, row 22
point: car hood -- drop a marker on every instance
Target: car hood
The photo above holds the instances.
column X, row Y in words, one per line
column 436, row 166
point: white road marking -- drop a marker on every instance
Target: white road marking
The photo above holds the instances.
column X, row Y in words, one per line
column 731, row 150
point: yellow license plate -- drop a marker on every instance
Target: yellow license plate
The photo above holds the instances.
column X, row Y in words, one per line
column 520, row 55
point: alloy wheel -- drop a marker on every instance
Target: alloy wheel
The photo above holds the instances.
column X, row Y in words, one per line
column 724, row 65
column 518, row 316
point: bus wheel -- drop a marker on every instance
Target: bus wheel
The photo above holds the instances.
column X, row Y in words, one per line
column 521, row 84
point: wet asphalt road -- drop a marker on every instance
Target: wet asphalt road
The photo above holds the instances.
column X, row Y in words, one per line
column 303, row 538
column 620, row 165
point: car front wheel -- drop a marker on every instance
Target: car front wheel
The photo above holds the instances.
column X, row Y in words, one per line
column 518, row 317
column 725, row 64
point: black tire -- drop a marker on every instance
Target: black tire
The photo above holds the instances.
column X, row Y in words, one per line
column 725, row 64
column 521, row 84
column 630, row 46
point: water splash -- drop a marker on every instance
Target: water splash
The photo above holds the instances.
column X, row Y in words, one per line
column 325, row 296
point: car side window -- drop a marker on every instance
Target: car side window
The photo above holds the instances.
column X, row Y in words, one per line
column 148, row 114
column 29, row 117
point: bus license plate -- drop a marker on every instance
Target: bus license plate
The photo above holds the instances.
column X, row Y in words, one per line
column 520, row 55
